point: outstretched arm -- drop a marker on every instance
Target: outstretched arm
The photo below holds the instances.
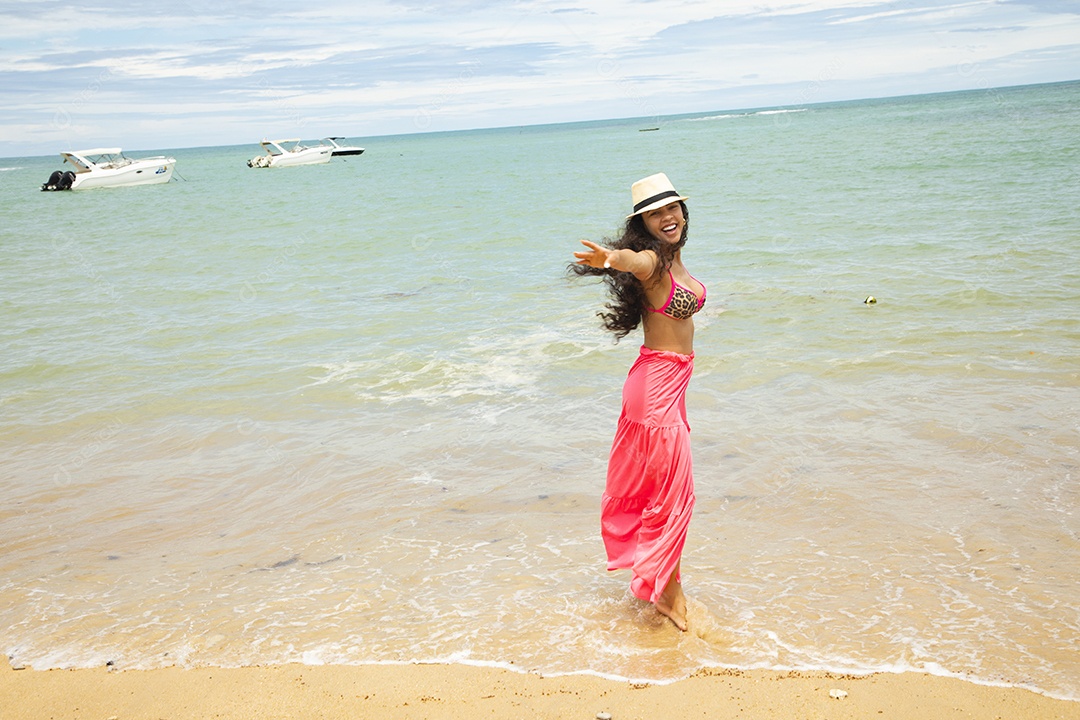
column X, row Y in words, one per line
column 641, row 264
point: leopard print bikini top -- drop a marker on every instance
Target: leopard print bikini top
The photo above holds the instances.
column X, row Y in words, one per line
column 682, row 303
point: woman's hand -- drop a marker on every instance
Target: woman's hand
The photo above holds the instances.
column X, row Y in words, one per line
column 596, row 256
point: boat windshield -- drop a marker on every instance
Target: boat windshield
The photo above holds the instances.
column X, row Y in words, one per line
column 89, row 161
column 77, row 162
column 109, row 160
column 279, row 147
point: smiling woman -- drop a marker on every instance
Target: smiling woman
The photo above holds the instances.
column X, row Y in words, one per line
column 649, row 496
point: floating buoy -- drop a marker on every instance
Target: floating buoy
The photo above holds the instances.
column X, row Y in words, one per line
column 870, row 300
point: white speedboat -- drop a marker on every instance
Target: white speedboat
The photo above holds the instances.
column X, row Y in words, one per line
column 109, row 167
column 337, row 148
column 286, row 153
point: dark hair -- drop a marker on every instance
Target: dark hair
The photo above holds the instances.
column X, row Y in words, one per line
column 627, row 304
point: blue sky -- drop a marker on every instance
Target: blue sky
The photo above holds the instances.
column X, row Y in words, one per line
column 153, row 75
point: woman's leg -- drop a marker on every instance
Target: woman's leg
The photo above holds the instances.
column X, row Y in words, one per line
column 672, row 602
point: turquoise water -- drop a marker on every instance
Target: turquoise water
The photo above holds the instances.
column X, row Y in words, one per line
column 357, row 413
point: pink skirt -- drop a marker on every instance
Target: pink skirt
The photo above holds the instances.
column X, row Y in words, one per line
column 649, row 497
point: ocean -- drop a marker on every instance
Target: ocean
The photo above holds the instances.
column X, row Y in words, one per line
column 358, row 412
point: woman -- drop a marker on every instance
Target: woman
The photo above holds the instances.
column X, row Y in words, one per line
column 649, row 495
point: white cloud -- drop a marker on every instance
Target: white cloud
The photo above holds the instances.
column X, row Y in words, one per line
column 480, row 63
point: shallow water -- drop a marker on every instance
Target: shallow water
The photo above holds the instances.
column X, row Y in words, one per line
column 356, row 412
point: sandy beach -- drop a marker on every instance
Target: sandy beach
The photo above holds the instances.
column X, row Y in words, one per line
column 302, row 444
column 457, row 691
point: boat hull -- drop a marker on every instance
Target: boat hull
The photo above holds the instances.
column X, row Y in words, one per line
column 158, row 171
column 310, row 156
column 307, row 156
column 340, row 149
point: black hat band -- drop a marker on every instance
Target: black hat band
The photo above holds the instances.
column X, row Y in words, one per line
column 650, row 200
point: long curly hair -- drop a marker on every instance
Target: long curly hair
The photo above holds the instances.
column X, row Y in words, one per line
column 626, row 294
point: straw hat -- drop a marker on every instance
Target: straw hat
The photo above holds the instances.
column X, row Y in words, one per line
column 652, row 192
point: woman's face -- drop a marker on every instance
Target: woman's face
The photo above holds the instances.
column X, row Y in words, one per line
column 666, row 223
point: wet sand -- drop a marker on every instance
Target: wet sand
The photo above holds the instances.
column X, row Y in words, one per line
column 457, row 691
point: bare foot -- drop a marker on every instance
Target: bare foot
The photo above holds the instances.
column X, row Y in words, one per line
column 672, row 603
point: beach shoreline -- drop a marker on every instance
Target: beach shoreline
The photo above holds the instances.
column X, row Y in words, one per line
column 463, row 691
column 320, row 437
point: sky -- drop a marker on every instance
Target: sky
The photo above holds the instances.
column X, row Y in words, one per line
column 150, row 74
